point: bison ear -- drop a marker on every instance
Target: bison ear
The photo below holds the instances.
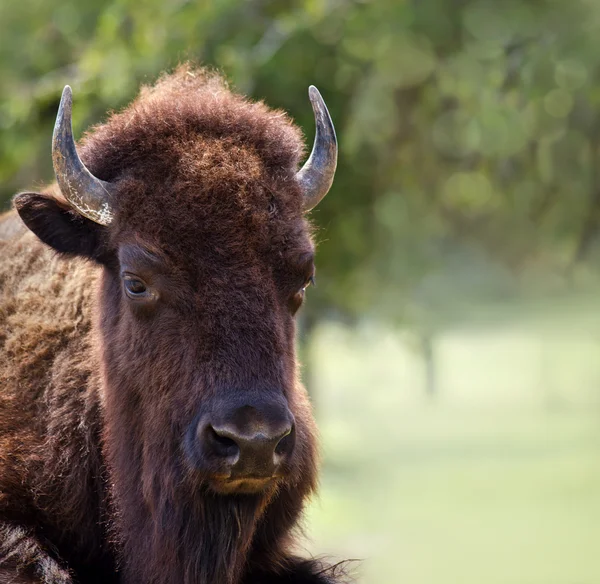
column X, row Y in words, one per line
column 62, row 228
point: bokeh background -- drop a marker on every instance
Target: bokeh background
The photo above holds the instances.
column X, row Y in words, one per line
column 452, row 344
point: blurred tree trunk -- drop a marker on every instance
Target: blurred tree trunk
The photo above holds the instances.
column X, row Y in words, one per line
column 428, row 352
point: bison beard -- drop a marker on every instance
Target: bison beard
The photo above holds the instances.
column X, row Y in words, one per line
column 119, row 405
column 175, row 530
column 204, row 543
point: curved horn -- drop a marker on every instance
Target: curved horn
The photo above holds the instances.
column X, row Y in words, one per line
column 316, row 176
column 89, row 195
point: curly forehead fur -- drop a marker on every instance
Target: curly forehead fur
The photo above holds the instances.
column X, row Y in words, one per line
column 190, row 152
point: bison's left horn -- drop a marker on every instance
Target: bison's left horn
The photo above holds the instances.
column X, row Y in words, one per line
column 89, row 195
column 316, row 176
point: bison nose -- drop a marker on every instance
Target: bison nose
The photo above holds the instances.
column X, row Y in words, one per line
column 259, row 453
column 249, row 448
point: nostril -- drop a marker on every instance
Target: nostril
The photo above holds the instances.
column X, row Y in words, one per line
column 221, row 445
column 285, row 444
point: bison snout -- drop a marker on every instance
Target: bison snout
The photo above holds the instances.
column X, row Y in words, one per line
column 249, row 444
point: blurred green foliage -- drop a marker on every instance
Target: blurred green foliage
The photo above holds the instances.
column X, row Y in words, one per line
column 469, row 129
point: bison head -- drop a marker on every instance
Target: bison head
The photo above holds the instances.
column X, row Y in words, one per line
column 191, row 202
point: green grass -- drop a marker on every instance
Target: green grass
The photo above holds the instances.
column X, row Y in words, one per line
column 492, row 490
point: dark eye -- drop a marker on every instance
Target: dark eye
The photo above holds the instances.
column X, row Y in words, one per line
column 134, row 287
column 298, row 297
column 310, row 282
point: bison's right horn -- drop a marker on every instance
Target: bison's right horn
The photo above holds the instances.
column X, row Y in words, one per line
column 89, row 195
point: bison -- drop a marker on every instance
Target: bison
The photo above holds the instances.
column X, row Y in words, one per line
column 153, row 426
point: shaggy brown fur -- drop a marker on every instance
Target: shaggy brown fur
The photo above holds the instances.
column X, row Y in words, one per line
column 97, row 392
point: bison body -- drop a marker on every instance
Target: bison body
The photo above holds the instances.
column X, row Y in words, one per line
column 153, row 429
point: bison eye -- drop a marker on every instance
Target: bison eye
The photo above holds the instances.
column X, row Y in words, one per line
column 297, row 299
column 309, row 282
column 134, row 287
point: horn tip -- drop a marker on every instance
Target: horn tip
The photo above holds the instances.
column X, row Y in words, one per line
column 66, row 99
column 313, row 93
